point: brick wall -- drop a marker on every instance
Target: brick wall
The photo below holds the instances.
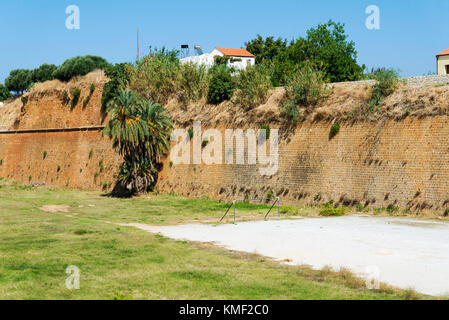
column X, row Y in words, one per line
column 404, row 163
column 72, row 159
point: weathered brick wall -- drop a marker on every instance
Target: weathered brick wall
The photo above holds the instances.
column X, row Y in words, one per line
column 72, row 159
column 404, row 163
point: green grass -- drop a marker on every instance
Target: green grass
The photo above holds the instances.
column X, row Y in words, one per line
column 36, row 247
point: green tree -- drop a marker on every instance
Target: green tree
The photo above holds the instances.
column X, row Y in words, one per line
column 266, row 49
column 18, row 80
column 79, row 66
column 43, row 73
column 327, row 46
column 221, row 86
column 4, row 93
column 140, row 131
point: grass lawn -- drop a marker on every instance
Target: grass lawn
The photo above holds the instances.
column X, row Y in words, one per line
column 36, row 247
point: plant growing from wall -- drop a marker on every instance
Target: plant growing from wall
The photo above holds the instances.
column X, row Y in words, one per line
column 75, row 98
column 252, row 86
column 335, row 129
column 387, row 82
column 140, row 131
column 65, row 97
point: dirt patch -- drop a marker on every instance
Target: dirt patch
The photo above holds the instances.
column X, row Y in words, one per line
column 55, row 208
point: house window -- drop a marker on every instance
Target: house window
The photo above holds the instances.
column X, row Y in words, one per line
column 447, row 69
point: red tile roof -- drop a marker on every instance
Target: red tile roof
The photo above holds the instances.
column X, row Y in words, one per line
column 235, row 52
column 444, row 53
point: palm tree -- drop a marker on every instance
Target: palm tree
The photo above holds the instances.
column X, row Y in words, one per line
column 140, row 131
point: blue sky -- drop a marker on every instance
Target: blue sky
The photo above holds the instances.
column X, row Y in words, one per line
column 33, row 31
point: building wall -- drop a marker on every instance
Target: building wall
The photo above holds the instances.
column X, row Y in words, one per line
column 442, row 62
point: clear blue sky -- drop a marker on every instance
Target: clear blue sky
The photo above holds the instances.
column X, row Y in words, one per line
column 33, row 31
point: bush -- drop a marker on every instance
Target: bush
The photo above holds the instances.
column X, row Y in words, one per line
column 79, row 66
column 19, row 80
column 329, row 210
column 290, row 112
column 156, row 77
column 387, row 82
column 335, row 129
column 24, row 101
column 252, row 86
column 43, row 73
column 119, row 80
column 306, row 86
column 193, row 82
column 4, row 93
column 75, row 98
column 221, row 86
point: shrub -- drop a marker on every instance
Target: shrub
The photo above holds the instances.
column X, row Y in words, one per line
column 119, row 80
column 193, row 82
column 65, row 97
column 267, row 131
column 252, row 86
column 221, row 85
column 270, row 195
column 330, row 211
column 43, row 73
column 44, row 155
column 290, row 112
column 24, row 101
column 156, row 77
column 75, row 98
column 306, row 86
column 387, row 82
column 190, row 131
column 4, row 93
column 18, row 80
column 335, row 129
column 79, row 66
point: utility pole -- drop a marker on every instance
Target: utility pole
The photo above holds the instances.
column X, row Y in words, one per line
column 138, row 54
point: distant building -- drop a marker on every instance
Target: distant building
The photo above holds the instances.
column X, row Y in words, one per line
column 240, row 58
column 443, row 62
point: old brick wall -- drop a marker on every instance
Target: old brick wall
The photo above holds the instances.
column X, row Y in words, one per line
column 404, row 164
column 72, row 159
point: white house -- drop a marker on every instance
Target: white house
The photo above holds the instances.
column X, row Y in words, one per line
column 240, row 58
column 443, row 62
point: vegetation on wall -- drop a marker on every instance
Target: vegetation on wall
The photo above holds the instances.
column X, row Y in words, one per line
column 387, row 82
column 43, row 73
column 306, row 88
column 18, row 80
column 4, row 93
column 252, row 86
column 140, row 131
column 221, row 86
column 75, row 98
column 326, row 46
column 119, row 79
column 79, row 66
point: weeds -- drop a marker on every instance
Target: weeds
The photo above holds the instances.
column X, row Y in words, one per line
column 330, row 211
column 75, row 98
column 252, row 86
